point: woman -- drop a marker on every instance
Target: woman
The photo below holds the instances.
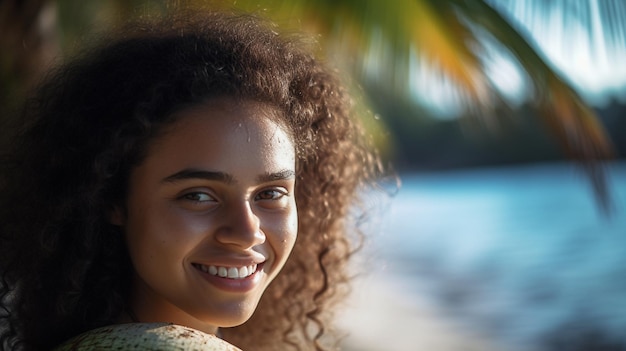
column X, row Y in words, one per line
column 164, row 176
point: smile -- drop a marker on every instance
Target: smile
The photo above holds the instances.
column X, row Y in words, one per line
column 228, row 272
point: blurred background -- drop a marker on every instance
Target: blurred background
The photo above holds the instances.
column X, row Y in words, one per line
column 505, row 121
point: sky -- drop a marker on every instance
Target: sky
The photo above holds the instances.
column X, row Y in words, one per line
column 592, row 60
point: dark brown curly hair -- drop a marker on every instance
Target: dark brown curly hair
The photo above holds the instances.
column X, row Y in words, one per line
column 65, row 268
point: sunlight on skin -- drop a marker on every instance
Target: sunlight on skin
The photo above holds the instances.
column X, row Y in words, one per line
column 216, row 191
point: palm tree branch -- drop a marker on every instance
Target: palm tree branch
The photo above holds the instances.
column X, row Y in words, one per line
column 573, row 124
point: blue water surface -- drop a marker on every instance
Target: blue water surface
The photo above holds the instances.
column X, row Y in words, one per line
column 521, row 253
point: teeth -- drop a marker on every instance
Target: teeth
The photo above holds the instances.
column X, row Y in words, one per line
column 229, row 272
column 222, row 272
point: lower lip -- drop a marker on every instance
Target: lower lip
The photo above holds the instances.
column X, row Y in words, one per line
column 234, row 285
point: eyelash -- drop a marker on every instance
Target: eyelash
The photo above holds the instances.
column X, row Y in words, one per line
column 280, row 194
column 277, row 194
column 192, row 197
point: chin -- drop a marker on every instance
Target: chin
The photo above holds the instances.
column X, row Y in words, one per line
column 230, row 318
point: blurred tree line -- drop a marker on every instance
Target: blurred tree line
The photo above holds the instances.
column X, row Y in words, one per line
column 376, row 42
column 515, row 136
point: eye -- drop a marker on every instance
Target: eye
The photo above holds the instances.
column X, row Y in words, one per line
column 199, row 197
column 270, row 194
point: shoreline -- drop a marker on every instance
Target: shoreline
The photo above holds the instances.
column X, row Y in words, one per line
column 379, row 316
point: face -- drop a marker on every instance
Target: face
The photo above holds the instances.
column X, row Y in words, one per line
column 210, row 217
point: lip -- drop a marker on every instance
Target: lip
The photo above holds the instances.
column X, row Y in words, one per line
column 242, row 285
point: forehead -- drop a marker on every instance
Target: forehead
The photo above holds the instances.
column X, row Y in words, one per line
column 221, row 132
column 228, row 112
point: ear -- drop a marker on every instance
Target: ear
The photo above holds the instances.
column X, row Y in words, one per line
column 117, row 216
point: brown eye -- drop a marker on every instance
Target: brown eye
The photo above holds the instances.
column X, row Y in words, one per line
column 198, row 197
column 271, row 194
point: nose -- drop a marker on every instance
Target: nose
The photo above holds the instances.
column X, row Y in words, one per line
column 242, row 227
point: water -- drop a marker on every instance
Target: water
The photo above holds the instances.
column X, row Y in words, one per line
column 522, row 254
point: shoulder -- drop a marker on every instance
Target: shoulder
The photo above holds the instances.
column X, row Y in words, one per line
column 146, row 336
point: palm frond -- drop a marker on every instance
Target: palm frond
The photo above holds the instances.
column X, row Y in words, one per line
column 572, row 123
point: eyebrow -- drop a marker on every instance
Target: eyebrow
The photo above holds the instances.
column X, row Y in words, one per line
column 186, row 174
column 280, row 175
column 191, row 173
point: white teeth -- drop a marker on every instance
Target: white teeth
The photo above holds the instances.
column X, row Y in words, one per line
column 229, row 272
column 212, row 270
column 222, row 272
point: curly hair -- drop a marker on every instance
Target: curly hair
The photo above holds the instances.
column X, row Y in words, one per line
column 65, row 268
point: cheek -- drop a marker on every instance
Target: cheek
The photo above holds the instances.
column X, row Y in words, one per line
column 288, row 232
column 293, row 229
column 155, row 235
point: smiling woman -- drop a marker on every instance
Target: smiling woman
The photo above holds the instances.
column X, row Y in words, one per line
column 205, row 244
column 200, row 171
